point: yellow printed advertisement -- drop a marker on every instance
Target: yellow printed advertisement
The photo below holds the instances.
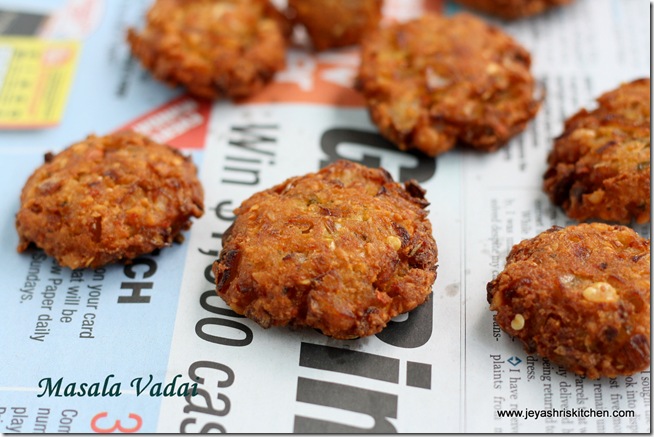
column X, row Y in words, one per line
column 35, row 78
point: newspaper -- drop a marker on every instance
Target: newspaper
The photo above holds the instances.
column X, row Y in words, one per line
column 149, row 347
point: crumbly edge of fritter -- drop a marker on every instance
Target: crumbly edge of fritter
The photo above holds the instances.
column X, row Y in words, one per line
column 333, row 24
column 425, row 106
column 599, row 167
column 228, row 68
column 267, row 272
column 97, row 202
column 579, row 296
column 514, row 9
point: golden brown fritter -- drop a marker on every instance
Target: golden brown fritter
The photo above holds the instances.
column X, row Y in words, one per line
column 435, row 81
column 108, row 199
column 579, row 296
column 513, row 9
column 215, row 48
column 343, row 250
column 336, row 23
column 600, row 165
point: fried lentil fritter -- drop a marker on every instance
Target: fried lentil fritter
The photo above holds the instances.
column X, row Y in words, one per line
column 579, row 296
column 435, row 81
column 343, row 250
column 600, row 165
column 215, row 48
column 108, row 199
column 336, row 23
column 513, row 9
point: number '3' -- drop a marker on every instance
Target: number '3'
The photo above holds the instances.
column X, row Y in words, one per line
column 117, row 425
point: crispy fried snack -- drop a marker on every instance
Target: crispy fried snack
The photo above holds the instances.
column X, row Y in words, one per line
column 215, row 48
column 579, row 296
column 336, row 23
column 343, row 250
column 108, row 199
column 434, row 81
column 513, row 9
column 600, row 165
